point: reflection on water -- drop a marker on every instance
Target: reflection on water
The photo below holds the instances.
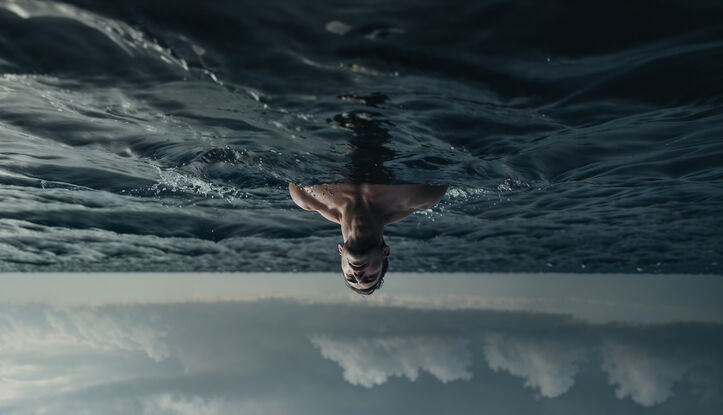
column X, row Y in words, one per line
column 302, row 344
column 366, row 151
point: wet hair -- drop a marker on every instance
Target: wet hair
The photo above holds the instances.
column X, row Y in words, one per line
column 378, row 285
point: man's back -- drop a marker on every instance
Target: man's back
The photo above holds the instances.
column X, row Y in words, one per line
column 394, row 202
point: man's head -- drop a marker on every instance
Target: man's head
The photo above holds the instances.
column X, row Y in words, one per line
column 364, row 263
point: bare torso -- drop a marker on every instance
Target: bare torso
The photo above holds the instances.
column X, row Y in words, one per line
column 393, row 202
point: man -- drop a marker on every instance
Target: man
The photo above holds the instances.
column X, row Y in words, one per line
column 362, row 210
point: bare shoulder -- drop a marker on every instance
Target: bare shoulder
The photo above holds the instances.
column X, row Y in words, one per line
column 427, row 196
column 315, row 198
column 401, row 201
column 409, row 196
column 301, row 197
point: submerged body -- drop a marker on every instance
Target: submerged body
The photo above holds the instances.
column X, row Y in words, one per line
column 362, row 210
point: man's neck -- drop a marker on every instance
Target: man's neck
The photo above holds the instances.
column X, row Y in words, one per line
column 359, row 219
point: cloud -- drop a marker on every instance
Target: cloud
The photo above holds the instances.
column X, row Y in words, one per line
column 371, row 362
column 84, row 327
column 51, row 352
column 647, row 379
column 549, row 366
column 25, row 380
column 171, row 404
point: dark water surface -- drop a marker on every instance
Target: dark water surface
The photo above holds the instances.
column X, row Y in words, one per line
column 304, row 344
column 161, row 135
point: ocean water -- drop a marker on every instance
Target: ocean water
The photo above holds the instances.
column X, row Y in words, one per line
column 161, row 135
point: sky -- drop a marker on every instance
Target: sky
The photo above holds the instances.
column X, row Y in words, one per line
column 259, row 354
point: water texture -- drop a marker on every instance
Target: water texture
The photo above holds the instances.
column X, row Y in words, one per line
column 161, row 135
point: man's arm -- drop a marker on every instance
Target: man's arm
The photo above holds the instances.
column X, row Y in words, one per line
column 307, row 202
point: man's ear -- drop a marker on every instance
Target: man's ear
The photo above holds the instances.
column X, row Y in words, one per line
column 385, row 250
column 341, row 248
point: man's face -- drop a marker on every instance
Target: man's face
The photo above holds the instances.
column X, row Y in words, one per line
column 362, row 268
